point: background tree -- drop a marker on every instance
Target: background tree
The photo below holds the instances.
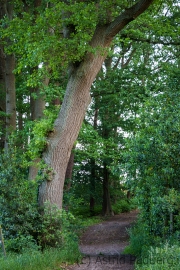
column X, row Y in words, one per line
column 8, row 77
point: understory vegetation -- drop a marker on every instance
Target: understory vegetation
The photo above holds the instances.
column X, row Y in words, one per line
column 40, row 238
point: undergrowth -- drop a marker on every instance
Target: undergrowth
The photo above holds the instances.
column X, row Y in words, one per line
column 160, row 258
column 153, row 252
column 52, row 258
column 23, row 253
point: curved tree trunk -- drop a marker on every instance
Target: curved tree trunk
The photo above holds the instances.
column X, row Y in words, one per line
column 75, row 103
column 67, row 126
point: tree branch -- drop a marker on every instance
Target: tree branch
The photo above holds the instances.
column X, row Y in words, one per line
column 148, row 40
column 117, row 63
column 126, row 17
column 129, row 59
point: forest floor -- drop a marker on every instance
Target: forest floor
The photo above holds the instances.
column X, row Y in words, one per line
column 103, row 244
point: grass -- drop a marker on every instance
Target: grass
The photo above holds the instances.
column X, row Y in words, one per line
column 50, row 259
column 164, row 258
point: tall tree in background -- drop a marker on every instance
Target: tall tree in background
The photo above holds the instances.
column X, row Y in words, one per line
column 7, row 76
column 3, row 97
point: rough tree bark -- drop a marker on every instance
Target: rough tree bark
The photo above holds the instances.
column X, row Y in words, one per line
column 75, row 103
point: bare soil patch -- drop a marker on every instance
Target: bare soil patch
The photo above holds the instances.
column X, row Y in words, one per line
column 103, row 244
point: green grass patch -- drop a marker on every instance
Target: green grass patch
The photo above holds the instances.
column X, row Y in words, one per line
column 160, row 258
column 50, row 259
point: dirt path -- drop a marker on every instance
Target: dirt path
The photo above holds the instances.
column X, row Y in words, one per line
column 102, row 245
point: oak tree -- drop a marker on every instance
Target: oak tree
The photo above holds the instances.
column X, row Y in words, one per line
column 77, row 97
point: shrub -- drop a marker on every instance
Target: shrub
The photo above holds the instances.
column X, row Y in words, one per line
column 18, row 201
column 140, row 239
column 21, row 244
column 57, row 227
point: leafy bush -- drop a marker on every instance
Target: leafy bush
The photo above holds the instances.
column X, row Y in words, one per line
column 21, row 244
column 18, row 200
column 57, row 227
column 23, row 225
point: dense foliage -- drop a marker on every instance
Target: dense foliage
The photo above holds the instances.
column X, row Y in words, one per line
column 152, row 166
